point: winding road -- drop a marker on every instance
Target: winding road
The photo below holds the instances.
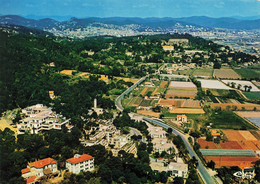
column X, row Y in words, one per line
column 207, row 179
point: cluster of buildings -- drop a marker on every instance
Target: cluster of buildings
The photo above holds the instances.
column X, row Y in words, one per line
column 39, row 118
column 48, row 167
column 107, row 135
column 160, row 144
column 159, row 139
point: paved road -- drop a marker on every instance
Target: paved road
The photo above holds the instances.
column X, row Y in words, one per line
column 202, row 170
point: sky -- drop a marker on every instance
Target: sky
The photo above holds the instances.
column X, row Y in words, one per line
column 131, row 8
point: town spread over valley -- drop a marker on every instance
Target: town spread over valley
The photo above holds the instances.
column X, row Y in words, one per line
column 99, row 101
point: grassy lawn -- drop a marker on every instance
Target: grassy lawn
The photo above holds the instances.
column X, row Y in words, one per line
column 228, row 120
column 203, row 72
column 116, row 91
column 184, row 72
column 252, row 95
column 248, row 73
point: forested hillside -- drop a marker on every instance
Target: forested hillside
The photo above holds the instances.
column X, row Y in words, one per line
column 26, row 76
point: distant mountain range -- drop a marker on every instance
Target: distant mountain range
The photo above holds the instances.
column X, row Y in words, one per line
column 167, row 22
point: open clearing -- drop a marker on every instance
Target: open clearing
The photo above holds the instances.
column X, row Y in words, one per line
column 212, row 84
column 67, row 72
column 243, row 84
column 226, row 73
column 6, row 123
column 203, row 72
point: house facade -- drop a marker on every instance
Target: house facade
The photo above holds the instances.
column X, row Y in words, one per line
column 36, row 169
column 80, row 163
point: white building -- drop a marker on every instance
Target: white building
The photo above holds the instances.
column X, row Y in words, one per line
column 39, row 118
column 36, row 169
column 156, row 132
column 80, row 163
column 173, row 168
column 162, row 144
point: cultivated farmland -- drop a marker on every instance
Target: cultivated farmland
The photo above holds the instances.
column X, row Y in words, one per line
column 212, row 84
column 252, row 95
column 163, row 84
column 226, row 73
column 181, row 89
column 248, row 74
column 231, row 161
column 203, row 72
column 244, row 85
column 228, row 120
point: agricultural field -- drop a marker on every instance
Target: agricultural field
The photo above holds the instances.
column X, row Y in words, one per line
column 181, row 89
column 252, row 95
column 187, row 111
column 137, row 90
column 135, row 101
column 253, row 117
column 243, row 85
column 228, row 120
column 203, row 72
column 230, row 161
column 182, row 85
column 257, row 83
column 246, row 139
column 212, row 84
column 145, row 103
column 206, row 144
column 173, row 93
column 224, row 93
column 231, row 106
column 144, row 91
column 226, row 73
column 184, row 72
column 149, row 113
column 248, row 74
column 163, row 84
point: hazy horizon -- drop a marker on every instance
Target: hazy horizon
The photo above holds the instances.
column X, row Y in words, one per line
column 131, row 8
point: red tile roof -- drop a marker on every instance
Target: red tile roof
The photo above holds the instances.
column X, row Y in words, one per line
column 31, row 179
column 42, row 163
column 82, row 158
column 26, row 170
